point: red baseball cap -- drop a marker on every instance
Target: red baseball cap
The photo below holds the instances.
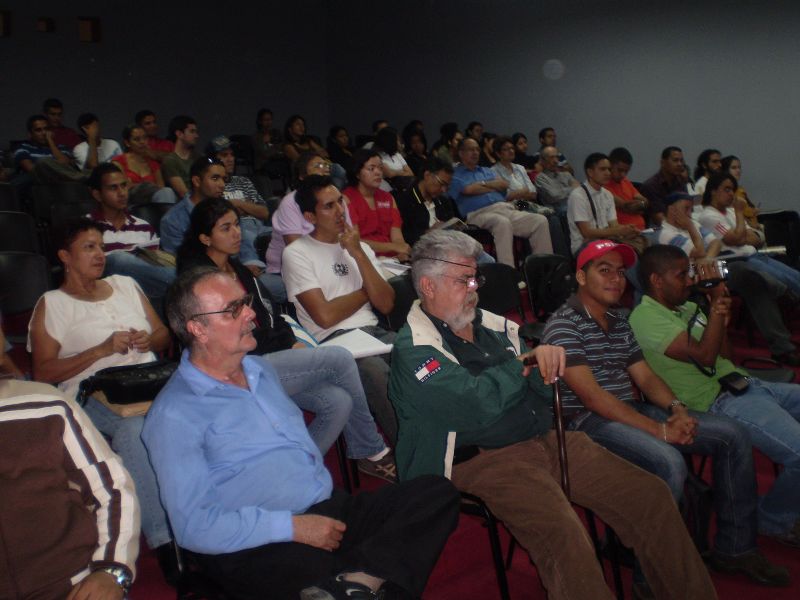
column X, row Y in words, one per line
column 599, row 248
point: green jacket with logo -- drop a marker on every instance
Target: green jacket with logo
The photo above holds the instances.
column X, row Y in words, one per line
column 435, row 397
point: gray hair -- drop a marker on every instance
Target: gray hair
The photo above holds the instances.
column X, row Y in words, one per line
column 182, row 302
column 437, row 246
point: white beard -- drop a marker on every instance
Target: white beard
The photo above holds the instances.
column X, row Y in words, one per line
column 465, row 315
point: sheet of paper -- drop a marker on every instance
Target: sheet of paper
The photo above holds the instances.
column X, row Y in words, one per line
column 393, row 266
column 359, row 343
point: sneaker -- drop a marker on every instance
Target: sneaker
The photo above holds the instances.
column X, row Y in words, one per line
column 754, row 565
column 338, row 589
column 384, row 468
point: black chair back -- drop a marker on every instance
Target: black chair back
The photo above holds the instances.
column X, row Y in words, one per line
column 404, row 296
column 18, row 232
column 551, row 280
column 243, row 149
column 8, row 198
column 45, row 197
column 60, row 212
column 152, row 213
column 782, row 228
column 500, row 293
column 24, row 277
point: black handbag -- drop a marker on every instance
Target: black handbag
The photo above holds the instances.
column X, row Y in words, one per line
column 130, row 383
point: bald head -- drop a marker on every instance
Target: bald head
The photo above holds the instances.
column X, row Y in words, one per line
column 469, row 152
column 549, row 157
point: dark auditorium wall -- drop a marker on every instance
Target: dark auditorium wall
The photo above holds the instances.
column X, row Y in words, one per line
column 643, row 74
column 218, row 65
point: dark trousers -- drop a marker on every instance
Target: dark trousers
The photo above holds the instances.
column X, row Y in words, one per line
column 395, row 533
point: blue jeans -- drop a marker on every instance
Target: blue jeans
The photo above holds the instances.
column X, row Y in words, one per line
column 275, row 286
column 165, row 195
column 339, row 176
column 251, row 228
column 153, row 280
column 784, row 273
column 770, row 412
column 325, row 381
column 125, row 434
column 727, row 442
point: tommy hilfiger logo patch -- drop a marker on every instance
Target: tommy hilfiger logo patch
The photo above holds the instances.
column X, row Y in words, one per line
column 427, row 369
column 341, row 269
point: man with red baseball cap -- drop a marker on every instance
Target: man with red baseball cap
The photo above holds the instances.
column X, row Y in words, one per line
column 604, row 360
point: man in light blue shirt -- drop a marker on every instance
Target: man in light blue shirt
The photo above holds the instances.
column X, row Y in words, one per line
column 481, row 198
column 208, row 181
column 246, row 488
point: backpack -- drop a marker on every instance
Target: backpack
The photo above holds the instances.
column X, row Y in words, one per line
column 551, row 280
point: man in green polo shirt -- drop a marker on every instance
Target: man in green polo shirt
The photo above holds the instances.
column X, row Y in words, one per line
column 689, row 352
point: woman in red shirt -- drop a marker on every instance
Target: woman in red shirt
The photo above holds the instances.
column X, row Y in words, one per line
column 373, row 210
column 144, row 173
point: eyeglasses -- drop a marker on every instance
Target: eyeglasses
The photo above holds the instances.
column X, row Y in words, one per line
column 235, row 308
column 449, row 262
column 321, row 165
column 471, row 283
column 444, row 184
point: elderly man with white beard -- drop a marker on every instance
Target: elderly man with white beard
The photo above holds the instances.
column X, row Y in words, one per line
column 471, row 407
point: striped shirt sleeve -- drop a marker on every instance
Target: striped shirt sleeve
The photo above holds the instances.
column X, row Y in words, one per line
column 107, row 481
column 96, row 471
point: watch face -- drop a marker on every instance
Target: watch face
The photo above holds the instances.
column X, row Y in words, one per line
column 120, row 575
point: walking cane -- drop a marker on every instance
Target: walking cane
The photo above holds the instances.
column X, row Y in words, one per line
column 562, row 445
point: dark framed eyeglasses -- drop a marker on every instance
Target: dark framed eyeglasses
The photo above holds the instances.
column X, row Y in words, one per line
column 235, row 308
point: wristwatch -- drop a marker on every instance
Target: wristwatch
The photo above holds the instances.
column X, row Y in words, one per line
column 675, row 403
column 121, row 575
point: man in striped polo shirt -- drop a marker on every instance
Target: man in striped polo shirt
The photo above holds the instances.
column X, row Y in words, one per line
column 604, row 360
column 124, row 234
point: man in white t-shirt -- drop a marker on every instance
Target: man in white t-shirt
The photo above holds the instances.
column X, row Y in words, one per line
column 335, row 281
column 759, row 290
column 590, row 208
column 95, row 149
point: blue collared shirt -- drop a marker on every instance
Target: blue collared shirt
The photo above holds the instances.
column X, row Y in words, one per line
column 175, row 224
column 462, row 177
column 233, row 465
